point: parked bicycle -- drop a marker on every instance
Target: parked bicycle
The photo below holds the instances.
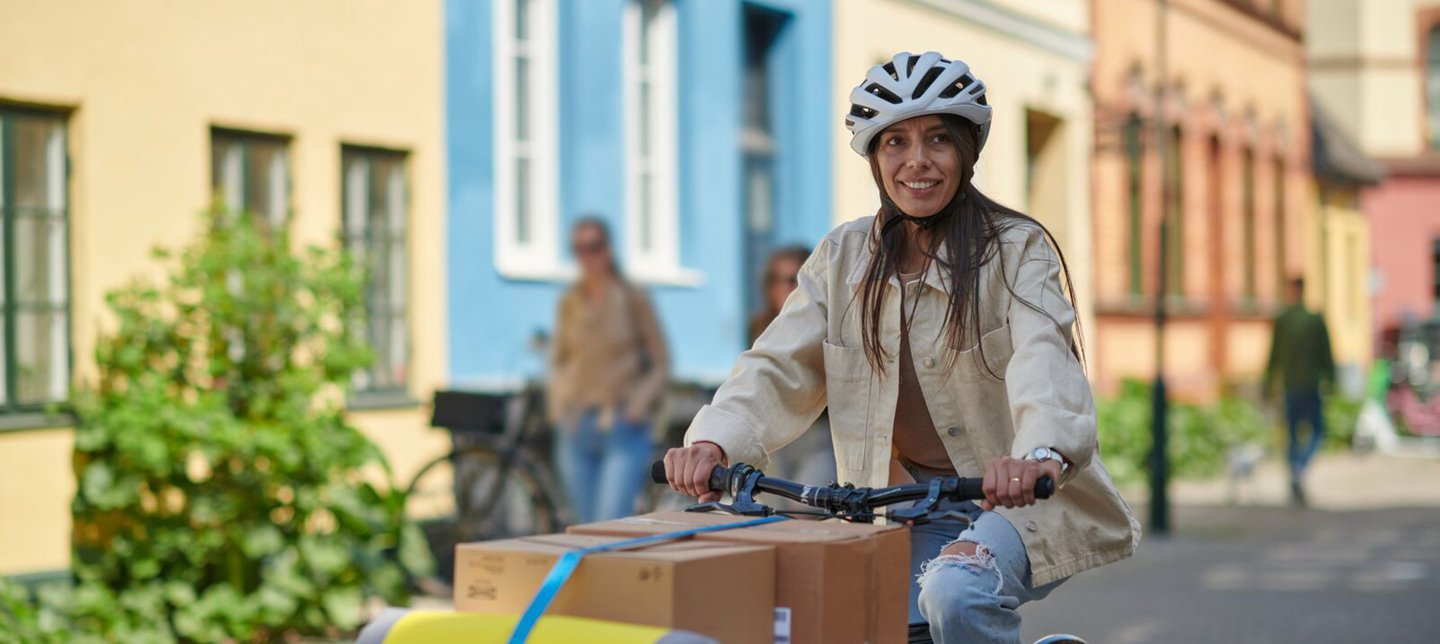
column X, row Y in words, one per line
column 849, row 503
column 496, row 481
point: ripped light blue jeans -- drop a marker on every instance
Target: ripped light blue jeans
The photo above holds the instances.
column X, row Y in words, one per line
column 970, row 598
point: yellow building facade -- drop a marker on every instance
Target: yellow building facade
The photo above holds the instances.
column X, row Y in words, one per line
column 125, row 119
column 1034, row 58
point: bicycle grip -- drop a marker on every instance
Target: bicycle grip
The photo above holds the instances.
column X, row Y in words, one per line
column 718, row 476
column 972, row 489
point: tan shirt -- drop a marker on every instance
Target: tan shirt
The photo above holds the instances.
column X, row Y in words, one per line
column 915, row 438
column 812, row 355
column 599, row 347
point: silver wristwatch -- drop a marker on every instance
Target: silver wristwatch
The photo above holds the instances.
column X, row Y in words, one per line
column 1048, row 454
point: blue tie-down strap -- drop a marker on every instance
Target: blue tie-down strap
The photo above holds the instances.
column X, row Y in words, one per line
column 561, row 571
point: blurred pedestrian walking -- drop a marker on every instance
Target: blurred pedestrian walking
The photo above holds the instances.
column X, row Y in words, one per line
column 1302, row 364
column 608, row 371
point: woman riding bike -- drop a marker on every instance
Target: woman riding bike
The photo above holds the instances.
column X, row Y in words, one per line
column 939, row 333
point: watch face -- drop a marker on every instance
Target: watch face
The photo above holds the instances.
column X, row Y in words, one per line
column 1040, row 453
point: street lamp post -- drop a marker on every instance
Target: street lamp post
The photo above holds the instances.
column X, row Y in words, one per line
column 1159, row 462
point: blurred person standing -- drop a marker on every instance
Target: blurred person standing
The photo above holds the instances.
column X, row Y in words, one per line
column 1301, row 363
column 608, row 370
column 811, row 458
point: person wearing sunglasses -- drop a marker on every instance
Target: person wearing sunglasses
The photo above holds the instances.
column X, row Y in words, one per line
column 608, row 369
column 782, row 274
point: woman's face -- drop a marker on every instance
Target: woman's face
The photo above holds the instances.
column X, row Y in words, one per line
column 781, row 280
column 591, row 250
column 919, row 165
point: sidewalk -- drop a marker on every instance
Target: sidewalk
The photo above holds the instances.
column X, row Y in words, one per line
column 1335, row 481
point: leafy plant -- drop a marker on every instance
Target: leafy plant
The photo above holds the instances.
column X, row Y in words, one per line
column 221, row 495
column 1199, row 436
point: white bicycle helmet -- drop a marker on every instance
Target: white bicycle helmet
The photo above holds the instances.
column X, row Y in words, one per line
column 910, row 86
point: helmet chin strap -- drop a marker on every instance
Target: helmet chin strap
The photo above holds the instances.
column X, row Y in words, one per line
column 924, row 223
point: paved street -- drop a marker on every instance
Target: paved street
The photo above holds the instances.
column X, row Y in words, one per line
column 1270, row 574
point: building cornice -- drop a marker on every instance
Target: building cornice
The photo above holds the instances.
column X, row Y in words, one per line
column 1070, row 44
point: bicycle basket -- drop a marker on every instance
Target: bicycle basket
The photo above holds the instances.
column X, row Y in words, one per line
column 467, row 412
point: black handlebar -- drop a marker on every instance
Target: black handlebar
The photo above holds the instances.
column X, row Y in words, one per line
column 734, row 479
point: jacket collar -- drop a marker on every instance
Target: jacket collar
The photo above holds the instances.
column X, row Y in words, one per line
column 932, row 278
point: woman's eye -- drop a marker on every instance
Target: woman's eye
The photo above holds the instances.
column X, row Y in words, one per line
column 892, row 141
column 940, row 138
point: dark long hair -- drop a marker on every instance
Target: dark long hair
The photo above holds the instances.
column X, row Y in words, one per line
column 970, row 226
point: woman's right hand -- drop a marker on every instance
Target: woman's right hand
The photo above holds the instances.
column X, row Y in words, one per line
column 688, row 469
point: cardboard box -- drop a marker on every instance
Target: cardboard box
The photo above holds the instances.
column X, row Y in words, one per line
column 718, row 589
column 841, row 582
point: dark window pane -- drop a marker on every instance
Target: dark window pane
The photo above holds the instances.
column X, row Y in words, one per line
column 647, row 212
column 522, row 200
column 1432, row 86
column 522, row 19
column 522, row 99
column 39, row 259
column 267, row 181
column 376, row 203
column 38, row 178
column 647, row 112
column 1247, row 169
column 41, row 345
column 1134, row 151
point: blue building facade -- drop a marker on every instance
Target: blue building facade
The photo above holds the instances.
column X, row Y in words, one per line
column 700, row 129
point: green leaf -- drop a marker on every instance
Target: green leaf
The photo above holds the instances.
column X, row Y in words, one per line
column 263, row 540
column 343, row 606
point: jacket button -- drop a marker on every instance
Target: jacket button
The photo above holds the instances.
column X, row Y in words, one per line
column 929, row 363
column 1032, row 526
column 953, row 431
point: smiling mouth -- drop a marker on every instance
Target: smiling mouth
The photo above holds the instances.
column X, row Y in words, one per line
column 920, row 185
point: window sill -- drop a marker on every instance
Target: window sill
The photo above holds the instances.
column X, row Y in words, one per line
column 381, row 400
column 677, row 276
column 32, row 420
column 552, row 273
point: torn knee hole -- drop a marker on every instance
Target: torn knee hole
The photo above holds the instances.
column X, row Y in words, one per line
column 963, row 549
column 958, row 554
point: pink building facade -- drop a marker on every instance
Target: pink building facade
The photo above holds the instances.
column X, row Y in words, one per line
column 1404, row 214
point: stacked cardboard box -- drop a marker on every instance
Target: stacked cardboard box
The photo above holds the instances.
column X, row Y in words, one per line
column 834, row 581
column 723, row 590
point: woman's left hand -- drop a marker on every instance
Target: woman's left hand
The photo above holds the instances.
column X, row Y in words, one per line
column 1010, row 482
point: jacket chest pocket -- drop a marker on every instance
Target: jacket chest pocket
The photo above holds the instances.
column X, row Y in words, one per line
column 848, row 384
column 986, row 359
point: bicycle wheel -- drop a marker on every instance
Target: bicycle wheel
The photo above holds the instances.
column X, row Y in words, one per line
column 496, row 499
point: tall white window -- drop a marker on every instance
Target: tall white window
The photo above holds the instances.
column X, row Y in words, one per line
column 526, row 155
column 652, row 226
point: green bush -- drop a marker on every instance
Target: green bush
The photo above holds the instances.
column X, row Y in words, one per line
column 220, row 493
column 1199, row 436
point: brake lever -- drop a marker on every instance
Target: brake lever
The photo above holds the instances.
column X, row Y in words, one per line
column 922, row 509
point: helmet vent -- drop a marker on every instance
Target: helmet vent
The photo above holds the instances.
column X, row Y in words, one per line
column 953, row 90
column 862, row 112
column 926, row 82
column 884, row 94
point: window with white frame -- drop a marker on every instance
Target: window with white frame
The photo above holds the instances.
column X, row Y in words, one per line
column 250, row 172
column 374, row 220
column 526, row 156
column 34, row 261
column 652, row 230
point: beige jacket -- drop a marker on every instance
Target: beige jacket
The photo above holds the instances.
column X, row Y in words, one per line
column 599, row 355
column 812, row 355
